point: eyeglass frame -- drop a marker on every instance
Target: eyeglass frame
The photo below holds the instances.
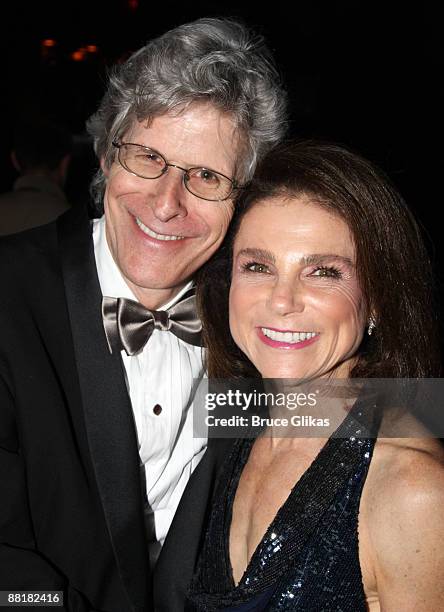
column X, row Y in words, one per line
column 234, row 185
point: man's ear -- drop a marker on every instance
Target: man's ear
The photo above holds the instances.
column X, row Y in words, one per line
column 64, row 165
column 104, row 167
column 15, row 162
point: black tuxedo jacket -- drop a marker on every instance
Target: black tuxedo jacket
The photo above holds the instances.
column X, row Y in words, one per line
column 71, row 512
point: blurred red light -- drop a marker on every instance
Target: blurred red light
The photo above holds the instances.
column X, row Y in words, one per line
column 78, row 56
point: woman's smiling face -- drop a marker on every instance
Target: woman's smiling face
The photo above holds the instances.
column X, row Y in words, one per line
column 296, row 308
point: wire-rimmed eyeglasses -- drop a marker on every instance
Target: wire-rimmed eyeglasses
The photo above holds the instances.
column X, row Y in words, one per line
column 148, row 163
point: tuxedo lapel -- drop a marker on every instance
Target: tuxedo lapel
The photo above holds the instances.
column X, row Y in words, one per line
column 107, row 409
column 177, row 560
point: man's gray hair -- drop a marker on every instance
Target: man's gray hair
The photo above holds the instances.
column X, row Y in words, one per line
column 209, row 60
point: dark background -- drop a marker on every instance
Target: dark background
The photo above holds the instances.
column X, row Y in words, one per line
column 367, row 75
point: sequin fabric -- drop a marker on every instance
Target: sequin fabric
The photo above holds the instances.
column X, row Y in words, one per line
column 308, row 559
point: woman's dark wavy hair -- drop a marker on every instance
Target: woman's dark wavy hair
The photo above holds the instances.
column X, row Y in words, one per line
column 392, row 263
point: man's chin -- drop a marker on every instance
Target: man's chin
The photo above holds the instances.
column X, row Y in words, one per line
column 162, row 287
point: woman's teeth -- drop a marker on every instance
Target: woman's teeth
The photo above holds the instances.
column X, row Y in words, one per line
column 146, row 230
column 289, row 337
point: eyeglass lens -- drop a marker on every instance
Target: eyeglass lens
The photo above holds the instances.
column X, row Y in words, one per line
column 202, row 182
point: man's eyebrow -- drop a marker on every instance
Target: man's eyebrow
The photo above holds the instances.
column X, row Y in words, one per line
column 322, row 258
column 257, row 254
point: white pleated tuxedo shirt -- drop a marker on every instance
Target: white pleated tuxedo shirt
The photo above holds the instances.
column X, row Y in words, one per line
column 160, row 380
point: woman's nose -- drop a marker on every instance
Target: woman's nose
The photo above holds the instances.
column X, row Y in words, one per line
column 286, row 297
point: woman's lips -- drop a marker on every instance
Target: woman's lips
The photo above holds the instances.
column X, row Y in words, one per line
column 286, row 339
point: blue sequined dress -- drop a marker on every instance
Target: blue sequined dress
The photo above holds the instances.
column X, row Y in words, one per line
column 308, row 559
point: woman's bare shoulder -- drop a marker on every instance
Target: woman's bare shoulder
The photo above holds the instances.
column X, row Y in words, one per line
column 407, row 465
column 402, row 511
column 407, row 476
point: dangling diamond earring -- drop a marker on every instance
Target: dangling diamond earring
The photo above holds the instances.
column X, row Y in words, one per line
column 371, row 325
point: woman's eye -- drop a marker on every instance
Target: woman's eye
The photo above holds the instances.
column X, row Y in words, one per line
column 327, row 272
column 253, row 266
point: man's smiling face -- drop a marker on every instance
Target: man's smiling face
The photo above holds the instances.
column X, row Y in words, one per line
column 159, row 234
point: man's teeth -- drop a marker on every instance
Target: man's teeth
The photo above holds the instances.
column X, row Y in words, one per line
column 146, row 230
column 289, row 337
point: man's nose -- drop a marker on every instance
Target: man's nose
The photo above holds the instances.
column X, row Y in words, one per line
column 170, row 194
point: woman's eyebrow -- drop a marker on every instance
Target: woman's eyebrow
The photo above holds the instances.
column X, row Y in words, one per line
column 257, row 254
column 322, row 258
column 307, row 260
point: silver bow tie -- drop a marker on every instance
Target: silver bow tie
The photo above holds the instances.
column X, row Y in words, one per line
column 129, row 325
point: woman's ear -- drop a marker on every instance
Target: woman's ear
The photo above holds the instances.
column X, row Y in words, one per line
column 371, row 323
